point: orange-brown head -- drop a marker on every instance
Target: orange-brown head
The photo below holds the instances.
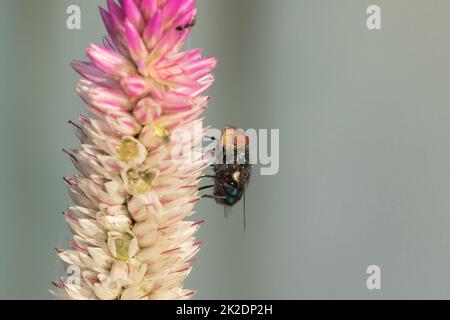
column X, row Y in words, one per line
column 232, row 137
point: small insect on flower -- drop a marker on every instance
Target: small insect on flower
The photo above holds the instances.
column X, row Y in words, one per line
column 187, row 25
column 232, row 176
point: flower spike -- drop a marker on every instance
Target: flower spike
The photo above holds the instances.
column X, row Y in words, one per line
column 131, row 237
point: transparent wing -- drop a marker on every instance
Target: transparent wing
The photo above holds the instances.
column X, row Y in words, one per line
column 244, row 216
column 227, row 211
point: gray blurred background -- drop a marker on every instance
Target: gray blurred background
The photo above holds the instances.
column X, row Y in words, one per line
column 365, row 151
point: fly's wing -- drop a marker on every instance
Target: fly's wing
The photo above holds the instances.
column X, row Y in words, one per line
column 227, row 211
column 244, row 216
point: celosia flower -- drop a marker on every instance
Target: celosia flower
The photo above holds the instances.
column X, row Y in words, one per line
column 130, row 236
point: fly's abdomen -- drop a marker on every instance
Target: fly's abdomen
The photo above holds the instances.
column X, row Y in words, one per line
column 233, row 195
